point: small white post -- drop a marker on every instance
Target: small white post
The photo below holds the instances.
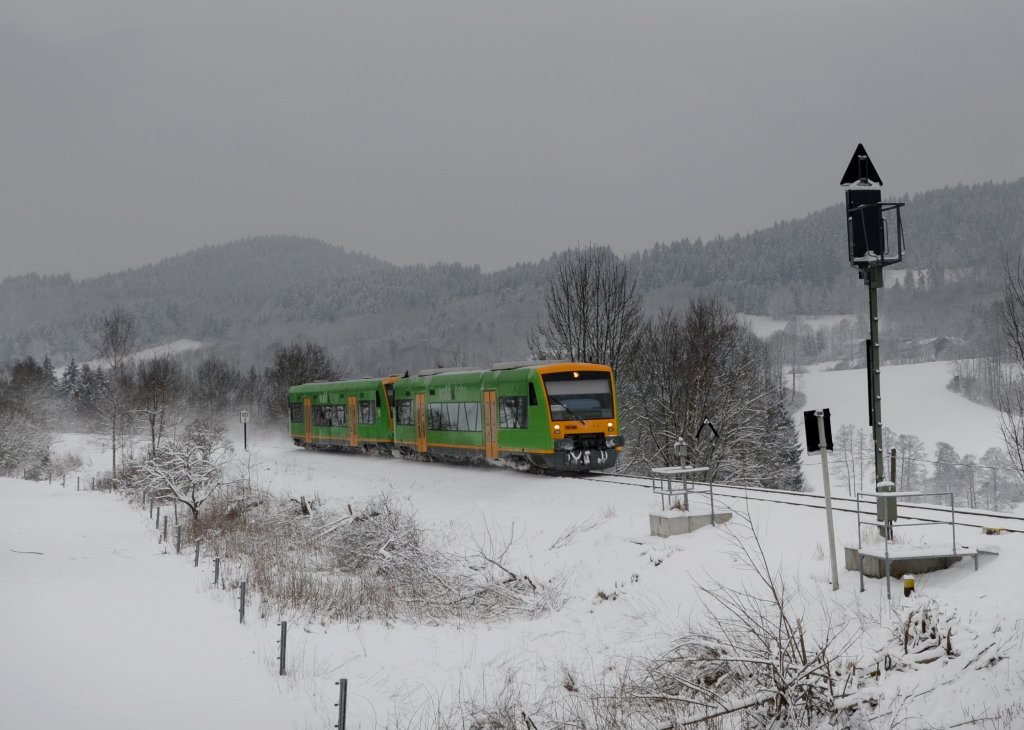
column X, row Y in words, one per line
column 823, row 449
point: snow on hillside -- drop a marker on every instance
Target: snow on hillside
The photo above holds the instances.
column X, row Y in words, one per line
column 764, row 326
column 914, row 401
column 177, row 347
column 113, row 631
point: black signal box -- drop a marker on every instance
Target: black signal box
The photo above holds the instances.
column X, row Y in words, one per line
column 865, row 224
column 811, row 431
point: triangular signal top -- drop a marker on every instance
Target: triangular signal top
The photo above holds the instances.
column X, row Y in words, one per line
column 860, row 167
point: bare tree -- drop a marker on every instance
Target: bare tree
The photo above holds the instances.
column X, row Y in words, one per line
column 1011, row 394
column 594, row 311
column 113, row 338
column 158, row 394
column 705, row 364
column 192, row 469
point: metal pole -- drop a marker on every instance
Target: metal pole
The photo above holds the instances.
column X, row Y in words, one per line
column 177, row 539
column 711, row 492
column 952, row 519
column 157, row 517
column 284, row 647
column 874, row 284
column 245, row 439
column 342, row 702
column 216, row 571
column 164, row 538
column 197, row 554
column 151, row 507
column 823, row 446
column 241, row 605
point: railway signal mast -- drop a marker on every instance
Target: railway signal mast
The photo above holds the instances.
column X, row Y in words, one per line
column 875, row 238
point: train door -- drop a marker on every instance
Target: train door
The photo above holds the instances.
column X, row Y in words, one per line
column 421, row 422
column 307, row 418
column 491, row 424
column 353, row 421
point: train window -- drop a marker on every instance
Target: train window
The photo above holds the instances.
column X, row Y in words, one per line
column 512, row 412
column 322, row 415
column 403, row 416
column 296, row 412
column 578, row 396
column 453, row 416
column 339, row 415
column 367, row 412
column 533, row 395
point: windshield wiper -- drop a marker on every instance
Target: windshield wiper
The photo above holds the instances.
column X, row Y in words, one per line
column 567, row 409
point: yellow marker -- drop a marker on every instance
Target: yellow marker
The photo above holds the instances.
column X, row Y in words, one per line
column 908, row 584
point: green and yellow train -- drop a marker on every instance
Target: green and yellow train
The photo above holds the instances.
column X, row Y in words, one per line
column 554, row 416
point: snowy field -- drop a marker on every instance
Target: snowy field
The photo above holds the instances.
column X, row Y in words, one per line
column 914, row 401
column 108, row 630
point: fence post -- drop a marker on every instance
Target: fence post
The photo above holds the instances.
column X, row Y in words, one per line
column 216, row 571
column 63, row 481
column 241, row 605
column 284, row 647
column 165, row 529
column 177, row 539
column 158, row 517
column 151, row 500
column 197, row 554
column 342, row 701
column 78, row 484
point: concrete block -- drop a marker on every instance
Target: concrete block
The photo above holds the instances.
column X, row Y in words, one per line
column 676, row 522
column 874, row 565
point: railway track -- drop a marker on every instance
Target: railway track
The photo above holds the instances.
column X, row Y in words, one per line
column 922, row 513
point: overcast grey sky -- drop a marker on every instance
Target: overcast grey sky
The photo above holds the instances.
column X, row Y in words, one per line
column 481, row 132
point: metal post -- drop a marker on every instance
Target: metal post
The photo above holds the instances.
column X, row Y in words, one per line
column 823, row 450
column 874, row 274
column 64, row 481
column 197, row 554
column 245, row 441
column 216, row 571
column 164, row 537
column 892, row 466
column 241, row 605
column 177, row 539
column 151, row 500
column 952, row 520
column 342, row 702
column 711, row 493
column 158, row 517
column 78, row 484
column 284, row 647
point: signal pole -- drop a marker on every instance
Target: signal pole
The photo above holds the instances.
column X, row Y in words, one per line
column 870, row 249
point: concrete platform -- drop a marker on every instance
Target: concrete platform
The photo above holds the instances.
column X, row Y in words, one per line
column 676, row 522
column 905, row 559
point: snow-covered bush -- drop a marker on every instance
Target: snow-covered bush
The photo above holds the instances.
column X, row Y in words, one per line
column 372, row 562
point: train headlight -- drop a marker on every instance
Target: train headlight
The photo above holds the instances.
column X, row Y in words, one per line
column 558, row 429
column 611, row 426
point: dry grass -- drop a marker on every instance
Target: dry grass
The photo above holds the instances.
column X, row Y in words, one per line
column 373, row 562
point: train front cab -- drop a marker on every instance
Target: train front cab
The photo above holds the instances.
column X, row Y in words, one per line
column 582, row 418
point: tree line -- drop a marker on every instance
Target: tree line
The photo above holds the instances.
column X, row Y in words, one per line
column 136, row 400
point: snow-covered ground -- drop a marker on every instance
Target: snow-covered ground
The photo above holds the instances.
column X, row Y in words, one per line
column 109, row 630
column 914, row 401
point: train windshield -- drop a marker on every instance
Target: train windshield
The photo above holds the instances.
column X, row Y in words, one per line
column 577, row 395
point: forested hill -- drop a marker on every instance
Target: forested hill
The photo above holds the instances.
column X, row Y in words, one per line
column 250, row 295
